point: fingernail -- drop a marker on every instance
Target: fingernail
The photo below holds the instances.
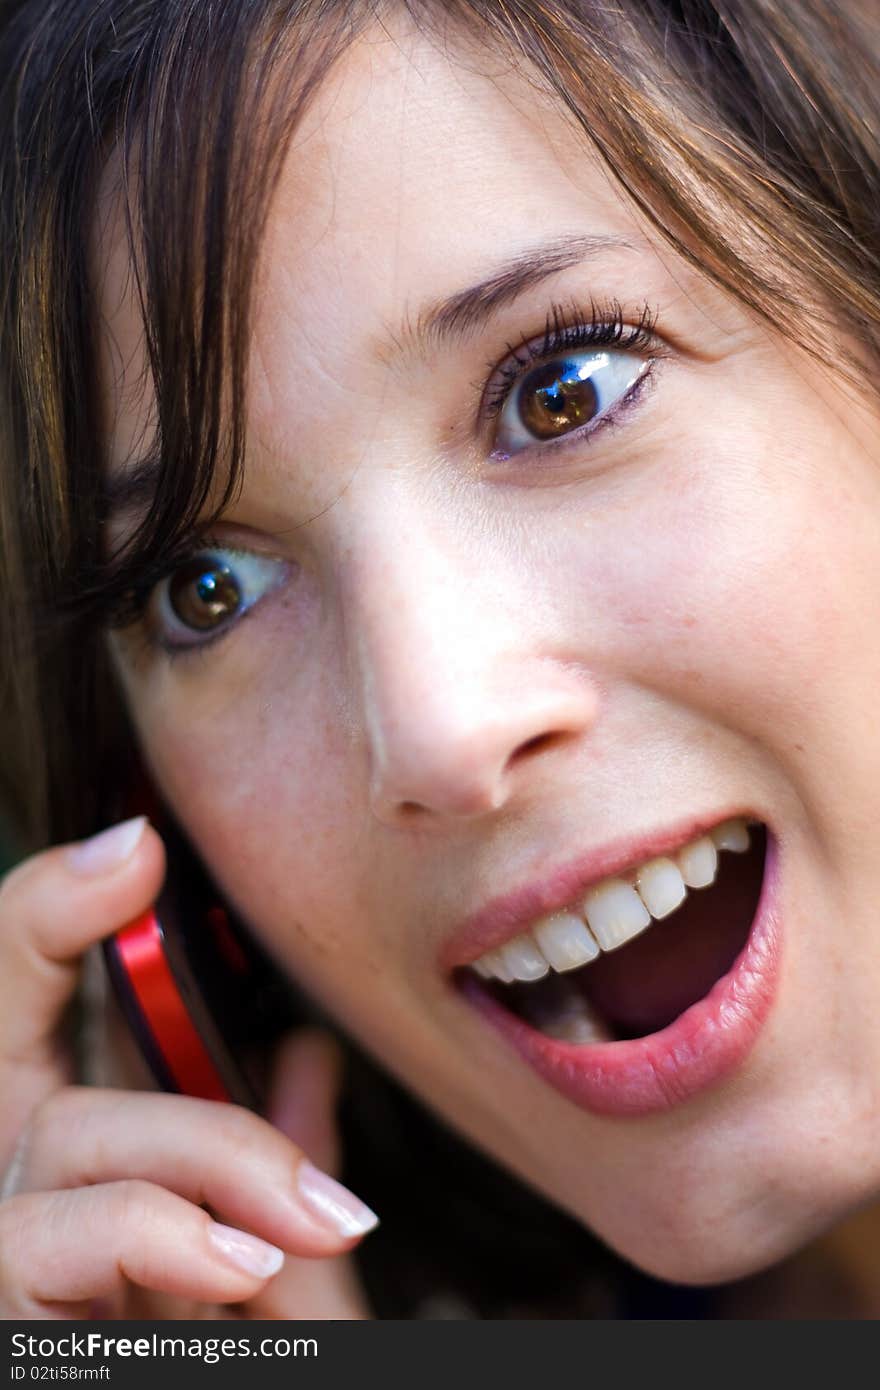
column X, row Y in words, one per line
column 333, row 1204
column 249, row 1253
column 107, row 850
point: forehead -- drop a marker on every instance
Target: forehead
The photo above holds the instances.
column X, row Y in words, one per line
column 425, row 165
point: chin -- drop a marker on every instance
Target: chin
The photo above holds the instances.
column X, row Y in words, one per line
column 700, row 1264
column 713, row 1240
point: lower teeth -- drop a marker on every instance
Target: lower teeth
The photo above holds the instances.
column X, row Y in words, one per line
column 577, row 1028
column 561, row 1011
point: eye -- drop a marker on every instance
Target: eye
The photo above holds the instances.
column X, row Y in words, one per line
column 208, row 593
column 571, row 392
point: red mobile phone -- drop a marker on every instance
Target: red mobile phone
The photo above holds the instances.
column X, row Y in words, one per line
column 202, row 999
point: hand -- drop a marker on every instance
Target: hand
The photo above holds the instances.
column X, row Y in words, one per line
column 103, row 1194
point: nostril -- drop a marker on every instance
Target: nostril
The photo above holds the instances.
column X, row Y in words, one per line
column 465, row 778
column 536, row 745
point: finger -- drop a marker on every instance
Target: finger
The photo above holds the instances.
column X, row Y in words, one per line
column 53, row 907
column 217, row 1154
column 304, row 1092
column 67, row 1248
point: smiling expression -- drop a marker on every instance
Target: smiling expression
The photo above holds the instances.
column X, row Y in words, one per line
column 470, row 662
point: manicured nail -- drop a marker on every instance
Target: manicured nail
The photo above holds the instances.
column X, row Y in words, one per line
column 249, row 1253
column 106, row 851
column 333, row 1204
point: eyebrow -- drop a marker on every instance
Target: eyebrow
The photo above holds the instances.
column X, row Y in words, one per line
column 458, row 315
column 129, row 491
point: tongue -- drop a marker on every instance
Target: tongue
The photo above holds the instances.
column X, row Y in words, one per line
column 643, row 986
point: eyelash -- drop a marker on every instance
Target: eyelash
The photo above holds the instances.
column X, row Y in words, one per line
column 566, row 329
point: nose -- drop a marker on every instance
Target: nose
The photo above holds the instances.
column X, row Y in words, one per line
column 464, row 705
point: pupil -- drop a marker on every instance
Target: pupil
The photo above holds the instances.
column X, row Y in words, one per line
column 555, row 399
column 202, row 595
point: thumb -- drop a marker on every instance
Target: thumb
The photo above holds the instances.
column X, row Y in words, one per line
column 304, row 1092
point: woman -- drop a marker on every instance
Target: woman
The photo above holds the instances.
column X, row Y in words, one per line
column 443, row 441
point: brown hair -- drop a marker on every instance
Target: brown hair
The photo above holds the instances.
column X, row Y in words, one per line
column 747, row 131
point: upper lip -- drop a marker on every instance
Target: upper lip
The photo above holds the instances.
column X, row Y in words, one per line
column 511, row 913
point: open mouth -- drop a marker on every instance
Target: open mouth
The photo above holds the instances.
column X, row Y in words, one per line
column 638, row 950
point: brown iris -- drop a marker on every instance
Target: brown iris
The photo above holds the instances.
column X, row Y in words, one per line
column 203, row 593
column 554, row 399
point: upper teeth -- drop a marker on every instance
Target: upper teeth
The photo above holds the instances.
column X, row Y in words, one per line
column 613, row 911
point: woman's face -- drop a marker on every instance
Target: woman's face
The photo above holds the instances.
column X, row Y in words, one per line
column 508, row 656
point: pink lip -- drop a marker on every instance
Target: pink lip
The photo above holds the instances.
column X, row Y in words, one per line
column 655, row 1073
column 510, row 913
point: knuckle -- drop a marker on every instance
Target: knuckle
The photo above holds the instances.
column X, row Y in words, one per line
column 246, row 1134
column 55, row 1120
column 238, row 1126
column 60, row 1111
column 136, row 1203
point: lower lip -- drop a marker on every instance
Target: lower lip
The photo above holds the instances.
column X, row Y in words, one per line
column 700, row 1048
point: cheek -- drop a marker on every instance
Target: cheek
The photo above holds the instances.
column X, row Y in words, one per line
column 280, row 821
column 262, row 783
column 739, row 579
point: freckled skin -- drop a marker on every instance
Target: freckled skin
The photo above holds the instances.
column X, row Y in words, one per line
column 678, row 609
